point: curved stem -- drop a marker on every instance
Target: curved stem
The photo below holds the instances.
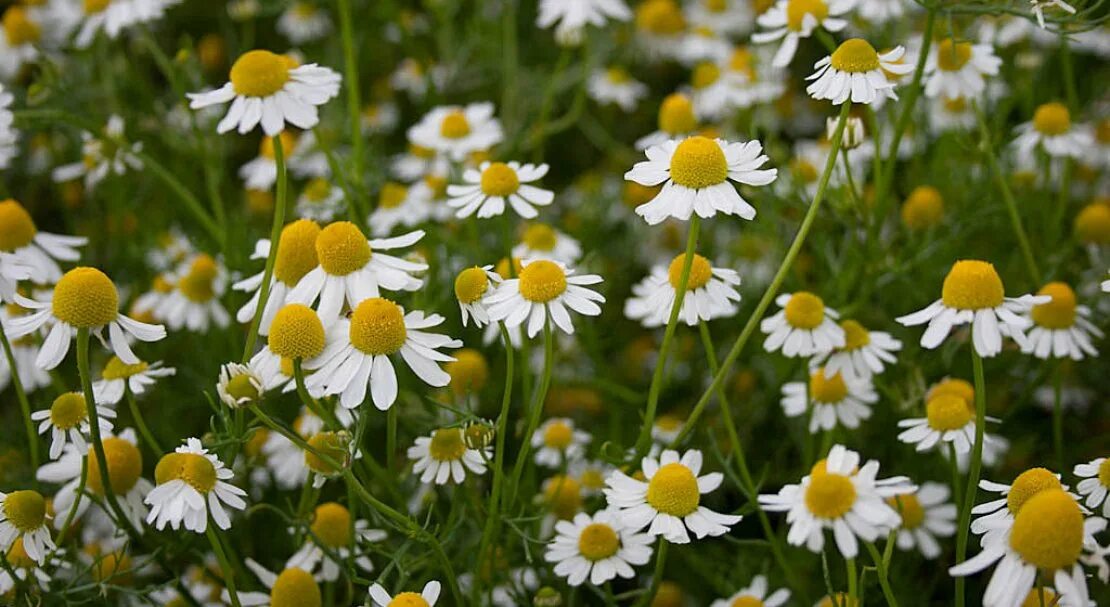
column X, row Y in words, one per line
column 973, row 472
column 225, row 566
column 24, row 404
column 884, row 580
column 275, row 240
column 493, row 517
column 535, row 408
column 137, row 417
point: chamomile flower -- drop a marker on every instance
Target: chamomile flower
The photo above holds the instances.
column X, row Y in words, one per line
column 194, row 303
column 118, row 377
column 597, row 548
column 710, row 293
column 485, row 190
column 426, row 598
column 792, row 20
column 695, row 174
column 949, row 418
column 239, row 385
column 416, row 162
column 856, row 71
column 67, row 419
column 292, row 586
column 192, row 485
column 24, row 352
column 333, row 532
column 1051, row 130
column 268, row 89
column 1040, row 5
column 84, row 298
column 615, row 85
column 29, row 253
column 829, row 400
column 957, row 69
column 444, row 456
column 541, row 241
column 702, row 44
column 1061, row 328
column 1095, row 484
column 302, row 157
column 350, row 270
column 879, row 12
column 670, row 499
column 19, row 37
column 358, row 349
column 379, row 118
column 557, row 441
column 955, row 114
column 926, row 515
column 803, row 327
column 660, row 27
column 573, row 15
column 473, row 287
column 998, row 514
column 667, row 428
column 973, row 293
column 102, row 155
column 544, row 288
column 864, row 353
column 27, row 571
column 399, row 205
column 732, row 17
column 842, row 497
column 285, row 459
column 457, row 131
column 676, row 120
column 23, row 517
column 114, row 16
column 296, row 257
column 304, row 22
column 320, row 200
column 714, row 95
column 755, row 595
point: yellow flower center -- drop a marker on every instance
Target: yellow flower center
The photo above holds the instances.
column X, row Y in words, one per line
column 19, row 28
column 924, row 208
column 660, row 17
column 1039, row 597
column 1048, row 531
column 17, row 229
column 26, row 510
column 564, row 496
column 295, row 588
column 741, row 61
column 1052, row 119
column 288, row 144
column 1058, row 313
column 972, row 285
column 700, row 272
column 542, row 281
column 259, row 74
column 598, row 541
column 855, row 336
column 804, row 310
column 333, row 445
column 617, row 75
column 377, row 327
column 592, row 478
column 117, row 369
column 1102, row 131
column 93, row 7
column 955, row 105
column 342, row 248
column 469, row 371
column 437, row 184
column 68, row 411
column 471, row 284
column 829, row 390
column 85, row 298
column 951, row 56
column 855, row 55
column 408, row 599
column 304, row 10
column 423, row 152
column 454, row 125
column 125, row 466
column 746, row 601
column 503, row 269
column 1104, row 472
column 196, row 470
column 296, row 332
column 705, row 74
column 828, row 495
column 198, row 285
column 1027, row 484
column 317, row 190
column 804, row 170
column 243, row 387
column 499, row 179
column 796, row 10
column 959, row 387
column 332, row 525
column 1092, row 224
column 676, row 115
column 913, row 515
column 540, row 237
column 447, row 445
column 948, row 412
column 296, row 253
column 699, row 162
column 674, row 490
column 716, row 6
column 18, row 557
column 558, row 435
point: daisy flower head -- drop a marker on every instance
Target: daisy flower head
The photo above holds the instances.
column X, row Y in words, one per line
column 320, row 200
column 755, row 595
column 25, row 252
column 485, row 190
column 703, row 45
column 192, row 484
column 676, row 120
column 957, row 69
column 304, row 22
column 557, row 441
column 562, row 495
column 358, row 350
column 955, row 114
column 445, row 457
column 473, row 287
column 1092, row 224
column 829, row 399
column 292, row 586
column 239, row 385
column 194, row 303
column 118, row 376
column 352, row 269
column 949, row 418
column 1061, row 328
column 722, row 16
column 597, row 548
column 667, row 428
column 695, row 174
column 19, row 37
column 923, row 208
column 104, row 154
column 1051, row 130
column 67, row 419
column 83, row 299
column 803, row 327
column 1095, row 485
column 457, row 131
column 840, row 496
column 615, row 85
column 23, row 517
column 973, row 293
column 541, row 289
column 541, row 241
column 399, row 204
column 333, row 532
column 670, row 498
column 425, row 598
column 574, row 15
column 865, row 353
column 660, row 26
column 270, row 90
column 998, row 514
column 296, row 257
column 856, row 71
column 114, row 16
column 710, row 293
column 792, row 20
column 926, row 515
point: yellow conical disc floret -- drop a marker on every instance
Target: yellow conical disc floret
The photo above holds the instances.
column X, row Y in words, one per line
column 334, row 446
column 499, row 179
column 913, row 515
column 542, row 281
column 558, row 435
column 194, row 469
column 19, row 28
column 342, row 248
column 540, row 237
column 377, row 327
column 1059, row 313
column 1052, row 119
column 855, row 55
column 855, row 335
column 948, row 412
column 829, row 495
column 959, row 387
column 408, row 599
column 972, row 285
column 288, row 140
column 26, row 510
column 923, row 209
column 199, row 284
column 125, row 466
column 746, row 601
column 804, row 310
column 1030, row 483
column 68, row 411
column 295, row 587
column 598, row 541
column 332, row 525
column 392, row 195
column 85, row 298
column 469, row 371
column 828, row 390
column 1092, row 224
column 674, row 490
column 18, row 557
column 259, row 73
column 698, row 162
column 471, row 284
column 296, row 254
column 563, row 495
column 296, row 332
column 93, row 7
column 1048, row 530
column 700, row 272
column 447, row 445
column 676, row 115
column 660, row 17
column 454, row 125
column 17, row 229
column 796, row 11
column 117, row 369
column 705, row 75
column 952, row 56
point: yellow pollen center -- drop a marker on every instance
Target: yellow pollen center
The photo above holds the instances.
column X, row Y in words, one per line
column 447, row 445
column 392, row 195
column 855, row 336
column 972, row 285
column 85, row 298
column 746, row 601
column 542, row 281
column 855, row 55
column 295, row 588
column 947, row 412
column 304, row 10
column 342, row 248
column 454, row 125
column 741, row 61
column 93, row 7
column 408, row 599
column 333, row 445
column 598, row 541
column 1048, row 531
column 422, row 152
column 194, row 469
column 471, row 284
column 660, row 17
column 19, row 28
column 317, row 190
column 242, row 387
column 1028, row 484
column 18, row 557
column 716, row 6
column 674, row 490
column 1092, row 224
column 26, row 510
column 499, row 179
column 17, row 229
column 199, row 284
column 1052, row 119
column 705, row 74
column 558, row 435
column 296, row 253
column 913, row 515
column 923, row 208
column 959, row 387
column 114, row 567
column 700, row 272
column 1104, row 472
column 540, row 237
column 804, row 170
column 804, row 310
column 699, row 162
column 117, row 369
column 377, row 327
column 829, row 390
column 1058, row 313
column 951, row 56
column 796, row 10
column 438, row 185
column 1039, row 597
column 332, row 525
column 676, row 115
column 592, row 478
column 634, row 194
column 259, row 74
column 955, row 105
column 68, row 411
column 296, row 332
column 125, row 466
column 469, row 371
column 829, row 496
column 563, row 495
column 617, row 75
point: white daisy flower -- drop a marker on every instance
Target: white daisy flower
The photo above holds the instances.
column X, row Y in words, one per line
column 484, row 191
column 670, row 500
column 660, row 28
column 751, row 86
column 732, row 17
column 380, row 118
column 755, row 595
column 358, row 349
column 270, row 89
column 841, row 496
column 955, row 114
column 407, row 206
column 192, row 485
column 1095, row 484
column 574, row 15
column 320, row 200
column 292, row 586
column 973, row 293
column 304, row 22
column 544, row 287
column 803, row 327
column 285, row 459
column 426, row 598
column 792, row 20
column 597, row 548
column 676, row 120
column 23, row 517
column 239, row 385
column 84, row 298
column 331, row 529
column 28, row 253
column 702, row 44
column 615, row 85
column 416, row 162
column 829, row 400
column 879, row 12
column 1051, row 130
column 194, row 304
column 710, row 293
column 24, row 350
column 302, row 157
column 541, row 241
column 590, row 474
column 473, row 288
column 27, row 571
column 857, row 72
column 117, row 377
column 296, row 257
column 996, row 516
column 444, row 456
column 956, row 69
column 19, row 39
column 949, row 418
column 114, row 16
column 667, row 428
column 67, row 419
column 101, row 156
column 1061, row 329
column 557, row 441
column 864, row 353
column 457, row 131
column 714, row 94
column 926, row 515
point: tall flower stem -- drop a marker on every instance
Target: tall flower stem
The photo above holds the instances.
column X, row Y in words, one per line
column 535, row 407
column 1057, row 419
column 350, row 77
column 494, row 516
column 853, row 583
column 659, row 374
column 24, row 404
column 657, row 575
column 140, row 423
column 884, row 576
column 973, row 471
column 275, row 240
column 225, row 565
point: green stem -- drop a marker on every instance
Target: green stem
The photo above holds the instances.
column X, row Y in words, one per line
column 493, row 518
column 884, row 580
column 390, row 436
column 275, row 240
column 535, row 408
column 225, row 566
column 853, row 582
column 354, row 105
column 1057, row 419
column 137, row 416
column 973, row 472
column 191, row 203
column 24, row 404
column 657, row 575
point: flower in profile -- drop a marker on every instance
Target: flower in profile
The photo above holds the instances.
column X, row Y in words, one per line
column 333, row 532
column 26, row 570
column 484, row 191
column 670, row 499
column 1061, row 328
column 296, row 256
column 792, row 20
column 543, row 289
column 425, row 598
column 573, row 15
column 473, row 287
column 191, row 486
column 292, row 586
column 444, row 456
column 1095, row 484
column 23, row 517
column 695, row 174
column 457, row 131
column 615, row 85
column 864, row 353
column 320, row 200
column 118, row 377
column 84, row 298
column 597, row 548
column 541, row 241
column 829, row 400
column 755, row 595
column 194, row 303
column 67, row 419
column 803, row 327
column 710, row 293
column 102, row 155
column 239, row 386
column 304, row 22
column 973, row 293
column 27, row 253
column 1052, row 131
column 956, row 69
column 926, row 515
column 270, row 90
column 557, row 442
column 856, row 71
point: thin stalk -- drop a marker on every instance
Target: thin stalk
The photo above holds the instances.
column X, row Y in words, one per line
column 1057, row 419
column 275, row 240
column 24, row 404
column 535, row 408
column 884, row 580
column 191, row 202
column 853, row 582
column 225, row 566
column 137, row 417
column 973, row 472
column 494, row 515
column 354, row 104
column 657, row 575
column 957, row 487
column 390, row 436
